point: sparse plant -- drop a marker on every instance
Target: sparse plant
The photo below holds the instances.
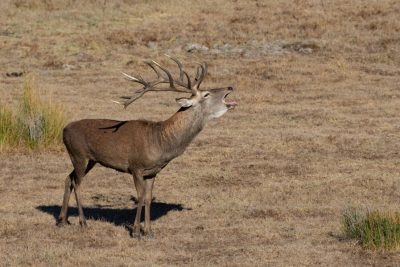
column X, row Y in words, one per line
column 373, row 229
column 36, row 122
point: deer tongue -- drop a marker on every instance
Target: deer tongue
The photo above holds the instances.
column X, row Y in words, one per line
column 230, row 103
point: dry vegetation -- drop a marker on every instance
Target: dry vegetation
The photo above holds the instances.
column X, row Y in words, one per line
column 35, row 123
column 373, row 229
column 317, row 130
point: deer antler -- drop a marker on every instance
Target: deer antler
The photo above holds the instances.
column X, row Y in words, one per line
column 163, row 78
column 201, row 73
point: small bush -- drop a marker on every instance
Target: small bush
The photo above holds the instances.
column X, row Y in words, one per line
column 35, row 123
column 373, row 229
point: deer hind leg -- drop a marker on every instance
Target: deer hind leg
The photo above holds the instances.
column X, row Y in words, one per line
column 81, row 170
column 76, row 184
column 63, row 217
column 73, row 181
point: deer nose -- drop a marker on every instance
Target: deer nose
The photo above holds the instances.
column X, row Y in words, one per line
column 230, row 88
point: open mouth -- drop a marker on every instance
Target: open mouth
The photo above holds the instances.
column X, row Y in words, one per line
column 229, row 103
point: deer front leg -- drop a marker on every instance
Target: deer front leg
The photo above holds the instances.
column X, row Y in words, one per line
column 147, row 202
column 140, row 189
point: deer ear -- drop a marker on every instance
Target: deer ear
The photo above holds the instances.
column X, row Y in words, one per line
column 184, row 102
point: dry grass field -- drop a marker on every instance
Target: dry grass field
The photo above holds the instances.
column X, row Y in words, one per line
column 316, row 130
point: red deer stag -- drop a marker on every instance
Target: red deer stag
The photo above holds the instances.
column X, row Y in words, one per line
column 141, row 148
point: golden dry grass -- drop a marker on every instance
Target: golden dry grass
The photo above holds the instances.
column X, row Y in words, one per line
column 372, row 229
column 36, row 122
column 316, row 130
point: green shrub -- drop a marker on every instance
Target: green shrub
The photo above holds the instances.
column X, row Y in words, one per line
column 36, row 122
column 373, row 229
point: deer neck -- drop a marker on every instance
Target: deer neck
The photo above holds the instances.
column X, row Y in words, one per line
column 179, row 130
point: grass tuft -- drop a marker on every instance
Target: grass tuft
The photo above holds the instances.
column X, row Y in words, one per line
column 7, row 129
column 373, row 229
column 37, row 122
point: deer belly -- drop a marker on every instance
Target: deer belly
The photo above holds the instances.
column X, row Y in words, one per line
column 114, row 163
column 110, row 155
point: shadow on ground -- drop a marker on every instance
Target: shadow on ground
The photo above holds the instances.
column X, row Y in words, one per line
column 116, row 216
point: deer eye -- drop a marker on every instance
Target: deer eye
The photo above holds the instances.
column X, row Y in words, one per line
column 207, row 95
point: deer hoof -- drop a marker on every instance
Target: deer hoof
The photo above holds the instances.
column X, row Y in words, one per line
column 136, row 235
column 83, row 224
column 136, row 231
column 149, row 235
column 62, row 222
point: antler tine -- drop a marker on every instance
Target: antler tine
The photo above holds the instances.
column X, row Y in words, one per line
column 189, row 82
column 205, row 68
column 129, row 77
column 131, row 99
column 201, row 73
column 179, row 65
column 154, row 68
column 197, row 75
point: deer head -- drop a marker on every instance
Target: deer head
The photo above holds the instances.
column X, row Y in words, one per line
column 212, row 103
